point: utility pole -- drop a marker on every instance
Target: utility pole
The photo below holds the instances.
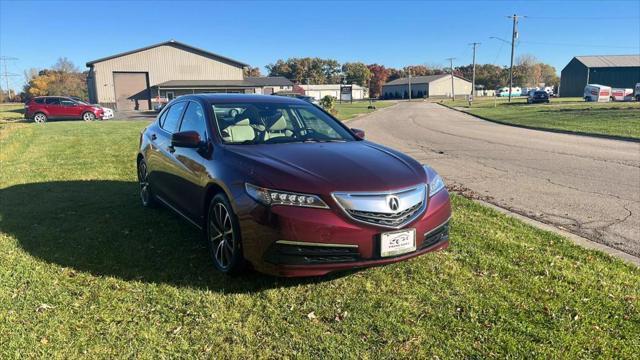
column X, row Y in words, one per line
column 453, row 90
column 473, row 76
column 409, row 85
column 514, row 36
column 6, row 75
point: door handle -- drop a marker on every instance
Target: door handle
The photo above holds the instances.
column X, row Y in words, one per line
column 171, row 149
column 153, row 136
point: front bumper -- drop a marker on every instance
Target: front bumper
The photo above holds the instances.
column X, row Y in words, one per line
column 293, row 241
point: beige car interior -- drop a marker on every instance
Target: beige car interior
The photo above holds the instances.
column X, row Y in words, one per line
column 244, row 130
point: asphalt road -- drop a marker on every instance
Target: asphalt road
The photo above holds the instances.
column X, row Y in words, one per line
column 588, row 186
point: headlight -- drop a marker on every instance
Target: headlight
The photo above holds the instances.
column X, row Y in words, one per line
column 436, row 184
column 276, row 197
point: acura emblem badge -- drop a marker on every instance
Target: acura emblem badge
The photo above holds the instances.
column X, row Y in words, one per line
column 394, row 202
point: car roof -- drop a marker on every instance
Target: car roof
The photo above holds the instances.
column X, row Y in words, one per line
column 244, row 98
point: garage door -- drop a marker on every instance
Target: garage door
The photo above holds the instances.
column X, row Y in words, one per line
column 132, row 91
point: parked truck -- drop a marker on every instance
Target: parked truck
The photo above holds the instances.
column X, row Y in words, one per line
column 618, row 94
column 636, row 92
column 597, row 93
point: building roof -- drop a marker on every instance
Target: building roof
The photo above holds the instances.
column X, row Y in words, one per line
column 328, row 86
column 420, row 79
column 599, row 61
column 270, row 81
column 175, row 44
column 247, row 82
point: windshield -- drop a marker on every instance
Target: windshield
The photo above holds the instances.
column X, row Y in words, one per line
column 267, row 123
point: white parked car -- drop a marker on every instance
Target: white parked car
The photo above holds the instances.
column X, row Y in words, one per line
column 597, row 93
column 108, row 113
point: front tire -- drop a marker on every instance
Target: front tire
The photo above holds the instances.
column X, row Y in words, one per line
column 146, row 196
column 223, row 236
column 88, row 116
column 40, row 118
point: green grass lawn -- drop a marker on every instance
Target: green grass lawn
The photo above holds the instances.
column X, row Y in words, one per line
column 11, row 112
column 86, row 271
column 348, row 111
column 570, row 114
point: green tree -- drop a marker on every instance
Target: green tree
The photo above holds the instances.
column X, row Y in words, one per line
column 306, row 70
column 357, row 73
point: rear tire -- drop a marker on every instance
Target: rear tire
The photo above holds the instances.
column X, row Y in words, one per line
column 40, row 118
column 88, row 116
column 223, row 236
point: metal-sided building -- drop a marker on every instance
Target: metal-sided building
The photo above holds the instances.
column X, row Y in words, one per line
column 135, row 80
column 426, row 86
column 620, row 71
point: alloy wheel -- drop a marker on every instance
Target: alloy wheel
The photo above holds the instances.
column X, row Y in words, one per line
column 40, row 118
column 88, row 116
column 221, row 236
column 143, row 180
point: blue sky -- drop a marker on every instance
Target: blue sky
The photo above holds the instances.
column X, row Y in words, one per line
column 391, row 33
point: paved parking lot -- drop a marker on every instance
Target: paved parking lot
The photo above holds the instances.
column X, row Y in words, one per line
column 588, row 186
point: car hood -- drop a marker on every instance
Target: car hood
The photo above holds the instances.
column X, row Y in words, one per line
column 327, row 167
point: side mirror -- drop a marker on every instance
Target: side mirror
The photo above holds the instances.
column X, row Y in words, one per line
column 186, row 139
column 358, row 133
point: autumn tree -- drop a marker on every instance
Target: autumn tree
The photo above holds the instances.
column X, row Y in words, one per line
column 251, row 71
column 379, row 75
column 64, row 78
column 307, row 70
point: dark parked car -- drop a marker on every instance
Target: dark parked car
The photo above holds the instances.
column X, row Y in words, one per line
column 280, row 184
column 538, row 96
column 42, row 108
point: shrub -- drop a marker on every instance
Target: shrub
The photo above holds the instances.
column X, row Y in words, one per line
column 328, row 102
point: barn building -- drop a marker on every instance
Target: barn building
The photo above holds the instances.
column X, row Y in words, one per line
column 426, row 86
column 143, row 78
column 618, row 71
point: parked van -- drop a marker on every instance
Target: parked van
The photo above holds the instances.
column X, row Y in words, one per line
column 598, row 93
column 504, row 91
column 636, row 92
column 621, row 94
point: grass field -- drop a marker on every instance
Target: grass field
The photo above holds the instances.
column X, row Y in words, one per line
column 348, row 111
column 86, row 271
column 570, row 114
column 11, row 112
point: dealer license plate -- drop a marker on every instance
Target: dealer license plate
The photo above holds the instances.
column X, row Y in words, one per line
column 397, row 242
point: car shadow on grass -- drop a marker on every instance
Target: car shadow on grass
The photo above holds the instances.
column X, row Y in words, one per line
column 100, row 227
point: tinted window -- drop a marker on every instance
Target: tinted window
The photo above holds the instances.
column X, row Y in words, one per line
column 171, row 121
column 257, row 123
column 67, row 102
column 194, row 120
column 53, row 101
column 39, row 100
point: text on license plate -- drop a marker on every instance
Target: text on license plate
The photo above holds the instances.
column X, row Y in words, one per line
column 397, row 242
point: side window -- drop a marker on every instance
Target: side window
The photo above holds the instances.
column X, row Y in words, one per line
column 67, row 102
column 194, row 120
column 162, row 117
column 39, row 100
column 172, row 119
column 53, row 101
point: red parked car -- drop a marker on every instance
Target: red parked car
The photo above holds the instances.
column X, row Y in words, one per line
column 280, row 184
column 42, row 108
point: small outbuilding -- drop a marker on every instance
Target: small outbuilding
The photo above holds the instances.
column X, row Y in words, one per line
column 426, row 86
column 319, row 91
column 617, row 71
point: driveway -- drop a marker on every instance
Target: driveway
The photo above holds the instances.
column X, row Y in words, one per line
column 588, row 186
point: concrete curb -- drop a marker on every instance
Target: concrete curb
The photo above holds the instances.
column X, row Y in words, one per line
column 557, row 131
column 578, row 240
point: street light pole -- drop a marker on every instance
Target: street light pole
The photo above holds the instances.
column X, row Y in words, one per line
column 514, row 36
column 473, row 76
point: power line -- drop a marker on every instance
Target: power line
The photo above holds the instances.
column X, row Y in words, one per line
column 583, row 18
column 6, row 75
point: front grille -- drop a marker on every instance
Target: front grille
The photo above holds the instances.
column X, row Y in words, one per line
column 287, row 254
column 386, row 219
